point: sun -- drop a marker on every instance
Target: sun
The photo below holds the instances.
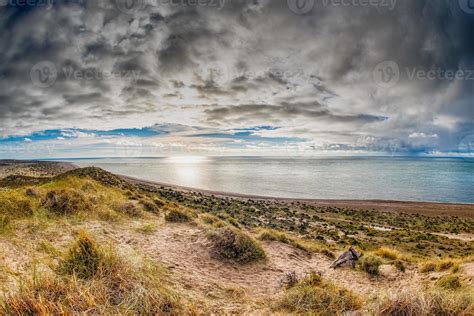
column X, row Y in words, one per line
column 187, row 159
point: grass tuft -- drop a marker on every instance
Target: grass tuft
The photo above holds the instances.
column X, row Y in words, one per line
column 370, row 264
column 388, row 253
column 439, row 265
column 313, row 295
column 231, row 243
column 84, row 258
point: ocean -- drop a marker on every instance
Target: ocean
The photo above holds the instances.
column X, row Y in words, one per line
column 394, row 178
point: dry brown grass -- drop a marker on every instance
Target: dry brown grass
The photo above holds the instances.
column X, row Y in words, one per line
column 96, row 281
column 427, row 303
column 439, row 265
column 388, row 253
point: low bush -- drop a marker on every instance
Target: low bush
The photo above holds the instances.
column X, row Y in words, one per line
column 370, row 264
column 178, row 216
column 388, row 253
column 314, row 296
column 233, row 244
column 65, row 202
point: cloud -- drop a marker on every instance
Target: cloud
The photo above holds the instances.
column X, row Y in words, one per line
column 248, row 63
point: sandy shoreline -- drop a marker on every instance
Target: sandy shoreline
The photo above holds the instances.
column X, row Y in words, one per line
column 410, row 207
column 52, row 168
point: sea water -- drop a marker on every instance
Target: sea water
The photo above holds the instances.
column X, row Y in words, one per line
column 410, row 179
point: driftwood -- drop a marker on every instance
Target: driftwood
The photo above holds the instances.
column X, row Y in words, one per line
column 349, row 257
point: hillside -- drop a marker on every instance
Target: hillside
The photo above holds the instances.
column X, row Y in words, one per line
column 88, row 241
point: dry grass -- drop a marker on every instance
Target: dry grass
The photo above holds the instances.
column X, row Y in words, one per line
column 420, row 303
column 449, row 282
column 314, row 296
column 388, row 253
column 212, row 220
column 305, row 245
column 439, row 265
column 231, row 243
column 14, row 203
column 96, row 281
column 147, row 228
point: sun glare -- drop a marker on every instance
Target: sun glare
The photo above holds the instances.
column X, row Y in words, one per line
column 187, row 159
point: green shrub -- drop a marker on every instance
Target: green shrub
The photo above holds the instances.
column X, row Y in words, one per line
column 370, row 264
column 233, row 244
column 313, row 296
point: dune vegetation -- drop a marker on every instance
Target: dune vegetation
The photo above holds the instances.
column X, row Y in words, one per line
column 89, row 242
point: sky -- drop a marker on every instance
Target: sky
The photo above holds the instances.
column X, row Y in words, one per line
column 144, row 78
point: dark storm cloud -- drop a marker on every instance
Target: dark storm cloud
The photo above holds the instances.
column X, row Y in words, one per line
column 273, row 66
column 285, row 111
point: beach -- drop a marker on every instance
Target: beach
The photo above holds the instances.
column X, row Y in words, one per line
column 217, row 252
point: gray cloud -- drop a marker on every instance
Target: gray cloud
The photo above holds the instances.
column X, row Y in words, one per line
column 251, row 62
